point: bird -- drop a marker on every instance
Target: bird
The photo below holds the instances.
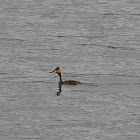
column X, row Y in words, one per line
column 61, row 82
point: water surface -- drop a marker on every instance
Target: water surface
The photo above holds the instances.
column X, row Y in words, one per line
column 94, row 42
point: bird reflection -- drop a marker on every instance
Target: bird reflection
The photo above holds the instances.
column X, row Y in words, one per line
column 59, row 89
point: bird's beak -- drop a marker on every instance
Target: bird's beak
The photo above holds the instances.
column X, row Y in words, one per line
column 55, row 70
column 52, row 71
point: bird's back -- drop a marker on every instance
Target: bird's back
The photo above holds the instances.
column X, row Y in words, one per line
column 71, row 82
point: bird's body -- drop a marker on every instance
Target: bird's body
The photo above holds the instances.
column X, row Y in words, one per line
column 69, row 82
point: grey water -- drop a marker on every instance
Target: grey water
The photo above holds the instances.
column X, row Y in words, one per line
column 96, row 42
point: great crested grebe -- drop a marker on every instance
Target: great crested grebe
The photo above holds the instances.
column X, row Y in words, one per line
column 69, row 82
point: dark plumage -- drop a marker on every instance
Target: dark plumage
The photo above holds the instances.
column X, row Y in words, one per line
column 69, row 82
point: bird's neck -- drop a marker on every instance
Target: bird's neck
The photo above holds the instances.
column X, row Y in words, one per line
column 60, row 78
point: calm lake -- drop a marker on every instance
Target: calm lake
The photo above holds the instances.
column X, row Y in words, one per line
column 96, row 42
